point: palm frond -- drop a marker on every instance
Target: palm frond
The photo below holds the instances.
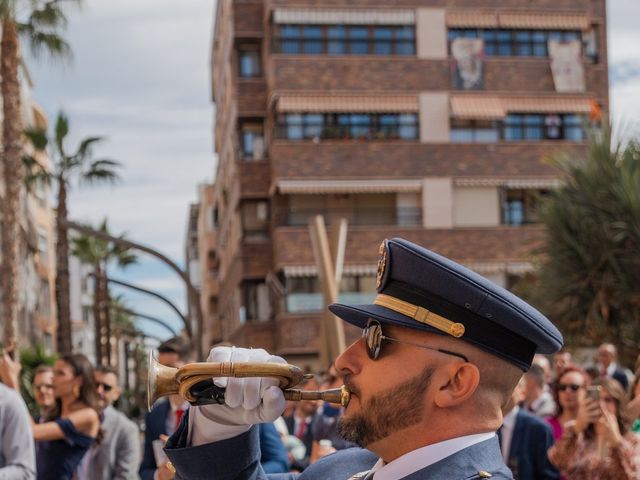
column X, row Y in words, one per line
column 101, row 171
column 50, row 15
column 48, row 42
column 37, row 137
column 61, row 131
column 84, row 149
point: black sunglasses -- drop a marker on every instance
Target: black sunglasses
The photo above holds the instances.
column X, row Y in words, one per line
column 373, row 339
column 105, row 386
column 568, row 386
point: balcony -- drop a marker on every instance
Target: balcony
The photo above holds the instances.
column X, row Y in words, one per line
column 362, row 159
column 314, row 302
column 251, row 97
column 405, row 216
column 255, row 178
column 470, row 245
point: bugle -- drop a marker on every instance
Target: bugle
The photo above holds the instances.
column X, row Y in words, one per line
column 194, row 381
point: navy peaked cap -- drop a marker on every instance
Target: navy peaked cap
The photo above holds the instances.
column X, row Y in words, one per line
column 420, row 289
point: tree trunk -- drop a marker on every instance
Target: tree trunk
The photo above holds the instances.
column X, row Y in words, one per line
column 13, row 178
column 97, row 312
column 62, row 272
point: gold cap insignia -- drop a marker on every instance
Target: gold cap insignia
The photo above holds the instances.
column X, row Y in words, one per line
column 484, row 474
column 382, row 263
column 456, row 330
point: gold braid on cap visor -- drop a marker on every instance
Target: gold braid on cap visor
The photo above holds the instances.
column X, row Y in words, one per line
column 420, row 314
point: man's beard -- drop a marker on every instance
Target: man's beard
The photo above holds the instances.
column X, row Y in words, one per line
column 385, row 413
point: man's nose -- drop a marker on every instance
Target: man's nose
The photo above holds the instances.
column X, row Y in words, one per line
column 350, row 361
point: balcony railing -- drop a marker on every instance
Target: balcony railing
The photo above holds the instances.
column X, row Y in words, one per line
column 401, row 216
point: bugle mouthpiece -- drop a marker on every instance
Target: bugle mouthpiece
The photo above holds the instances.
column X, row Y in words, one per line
column 340, row 396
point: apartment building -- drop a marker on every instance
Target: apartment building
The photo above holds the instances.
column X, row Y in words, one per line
column 429, row 120
column 36, row 261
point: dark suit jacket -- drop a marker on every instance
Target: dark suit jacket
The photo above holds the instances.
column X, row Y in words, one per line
column 238, row 458
column 531, row 439
column 307, row 439
column 156, row 424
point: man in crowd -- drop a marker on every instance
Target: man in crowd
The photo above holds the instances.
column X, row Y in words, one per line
column 117, row 455
column 17, row 452
column 43, row 391
column 300, row 423
column 607, row 357
column 561, row 360
column 441, row 352
column 537, row 398
column 525, row 439
column 165, row 415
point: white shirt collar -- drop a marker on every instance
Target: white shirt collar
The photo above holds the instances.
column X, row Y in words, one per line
column 611, row 369
column 423, row 457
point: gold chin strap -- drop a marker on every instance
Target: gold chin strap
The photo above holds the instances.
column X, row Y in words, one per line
column 420, row 314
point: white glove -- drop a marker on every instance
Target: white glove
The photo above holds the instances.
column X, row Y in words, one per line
column 247, row 400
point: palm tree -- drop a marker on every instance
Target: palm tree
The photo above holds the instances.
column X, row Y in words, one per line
column 79, row 165
column 39, row 23
column 588, row 281
column 100, row 254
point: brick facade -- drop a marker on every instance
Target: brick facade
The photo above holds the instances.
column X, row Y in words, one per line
column 241, row 22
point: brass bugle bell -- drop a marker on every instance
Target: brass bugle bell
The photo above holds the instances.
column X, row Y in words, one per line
column 193, row 381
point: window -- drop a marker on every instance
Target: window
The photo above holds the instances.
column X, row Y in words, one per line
column 517, row 43
column 345, row 39
column 543, row 127
column 256, row 305
column 520, row 206
column 255, row 219
column 251, row 141
column 474, row 131
column 249, row 61
column 357, row 126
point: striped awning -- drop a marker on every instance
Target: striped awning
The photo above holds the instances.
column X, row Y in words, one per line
column 476, row 107
column 488, row 107
column 555, row 104
column 514, row 268
column 310, row 16
column 516, row 20
column 347, row 103
column 348, row 186
column 312, row 270
column 544, row 21
column 512, row 183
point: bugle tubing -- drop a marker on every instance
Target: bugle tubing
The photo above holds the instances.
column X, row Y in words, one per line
column 163, row 381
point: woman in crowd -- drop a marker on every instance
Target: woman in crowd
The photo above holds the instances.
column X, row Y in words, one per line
column 597, row 445
column 633, row 408
column 566, row 391
column 73, row 424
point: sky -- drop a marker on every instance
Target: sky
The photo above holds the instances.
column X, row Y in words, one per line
column 140, row 77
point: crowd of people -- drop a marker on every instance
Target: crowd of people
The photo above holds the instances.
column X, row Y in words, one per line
column 563, row 421
column 486, row 400
column 587, row 416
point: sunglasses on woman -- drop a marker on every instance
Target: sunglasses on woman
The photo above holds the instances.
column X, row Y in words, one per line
column 568, row 386
column 373, row 338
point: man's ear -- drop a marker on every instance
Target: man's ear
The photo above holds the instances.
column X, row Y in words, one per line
column 464, row 379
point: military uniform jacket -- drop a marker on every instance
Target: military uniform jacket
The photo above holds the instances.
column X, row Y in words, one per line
column 239, row 459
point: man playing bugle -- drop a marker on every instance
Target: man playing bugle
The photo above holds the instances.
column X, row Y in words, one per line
column 442, row 349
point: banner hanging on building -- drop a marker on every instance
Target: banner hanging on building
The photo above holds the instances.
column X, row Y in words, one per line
column 468, row 66
column 566, row 66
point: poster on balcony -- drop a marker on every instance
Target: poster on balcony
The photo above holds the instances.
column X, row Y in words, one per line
column 566, row 66
column 468, row 63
